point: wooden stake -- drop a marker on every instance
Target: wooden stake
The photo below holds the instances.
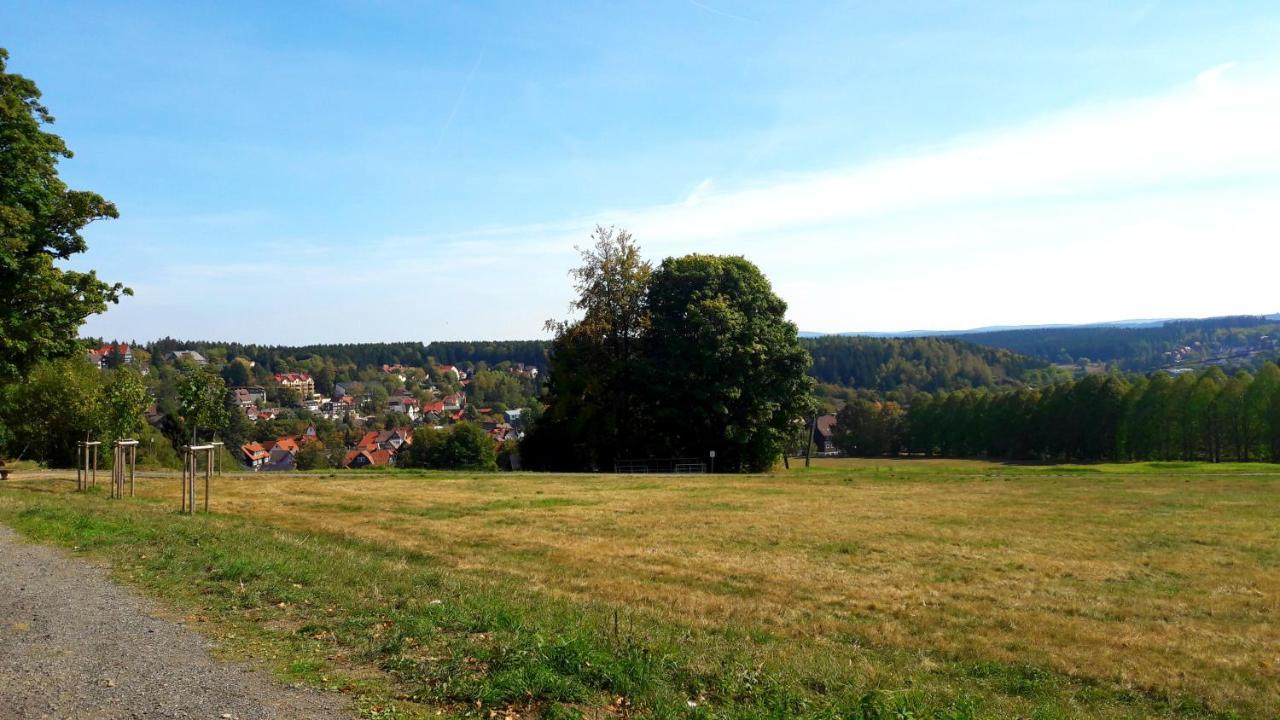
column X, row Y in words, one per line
column 186, row 479
column 208, row 470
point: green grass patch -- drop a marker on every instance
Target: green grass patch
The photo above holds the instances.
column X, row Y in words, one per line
column 408, row 637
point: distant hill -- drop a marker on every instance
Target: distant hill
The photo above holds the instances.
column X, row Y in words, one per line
column 930, row 363
column 1143, row 348
column 1138, row 345
column 1150, row 322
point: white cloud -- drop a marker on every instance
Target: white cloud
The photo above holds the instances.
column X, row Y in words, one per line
column 1212, row 129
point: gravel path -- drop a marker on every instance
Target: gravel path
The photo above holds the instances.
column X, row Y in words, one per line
column 75, row 645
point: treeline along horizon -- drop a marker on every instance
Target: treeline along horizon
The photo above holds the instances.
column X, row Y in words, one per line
column 281, row 358
column 881, row 364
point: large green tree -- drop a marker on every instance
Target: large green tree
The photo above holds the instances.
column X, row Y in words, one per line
column 591, row 416
column 693, row 358
column 724, row 369
column 42, row 305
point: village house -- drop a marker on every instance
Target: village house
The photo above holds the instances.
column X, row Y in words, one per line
column 453, row 371
column 255, row 413
column 286, row 443
column 338, row 409
column 254, row 455
column 274, row 455
column 248, row 395
column 824, row 435
column 281, row 459
column 299, row 382
column 403, row 402
column 453, row 402
column 368, row 458
column 102, row 356
column 189, row 355
column 392, row 440
column 525, row 371
column 502, row 432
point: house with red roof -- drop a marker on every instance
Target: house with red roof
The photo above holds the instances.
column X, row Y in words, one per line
column 102, row 355
column 301, row 382
column 254, row 455
column 406, row 404
column 368, row 458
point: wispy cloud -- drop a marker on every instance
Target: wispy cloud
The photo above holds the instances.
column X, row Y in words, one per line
column 1091, row 213
column 1215, row 128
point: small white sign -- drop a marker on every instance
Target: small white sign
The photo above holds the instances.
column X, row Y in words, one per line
column 713, row 453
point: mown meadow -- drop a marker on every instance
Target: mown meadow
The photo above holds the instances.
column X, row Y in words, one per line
column 852, row 589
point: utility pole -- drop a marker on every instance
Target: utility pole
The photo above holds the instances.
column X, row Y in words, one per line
column 808, row 448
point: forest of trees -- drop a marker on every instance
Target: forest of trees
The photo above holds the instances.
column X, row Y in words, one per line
column 285, row 358
column 929, row 364
column 1207, row 416
column 529, row 352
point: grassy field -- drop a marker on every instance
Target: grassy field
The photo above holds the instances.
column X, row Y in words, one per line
column 854, row 589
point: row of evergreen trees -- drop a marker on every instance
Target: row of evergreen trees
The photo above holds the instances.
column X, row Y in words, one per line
column 1206, row 416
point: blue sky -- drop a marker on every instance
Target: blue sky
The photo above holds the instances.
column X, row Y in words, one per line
column 360, row 171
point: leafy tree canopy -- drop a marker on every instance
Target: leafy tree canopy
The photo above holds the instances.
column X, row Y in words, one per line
column 693, row 357
column 42, row 306
column 725, row 370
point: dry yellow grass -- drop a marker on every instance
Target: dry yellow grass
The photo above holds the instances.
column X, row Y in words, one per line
column 1157, row 581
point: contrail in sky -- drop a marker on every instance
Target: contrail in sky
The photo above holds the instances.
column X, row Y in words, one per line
column 721, row 13
column 457, row 102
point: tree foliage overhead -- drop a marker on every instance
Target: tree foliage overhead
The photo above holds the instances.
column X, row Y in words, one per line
column 693, row 357
column 42, row 305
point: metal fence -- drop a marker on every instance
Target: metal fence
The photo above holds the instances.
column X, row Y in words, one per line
column 661, row 465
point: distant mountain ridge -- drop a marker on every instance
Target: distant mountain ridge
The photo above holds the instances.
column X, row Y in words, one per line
column 1137, row 323
column 1137, row 345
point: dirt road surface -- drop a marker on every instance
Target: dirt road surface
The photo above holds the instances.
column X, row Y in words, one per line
column 75, row 645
